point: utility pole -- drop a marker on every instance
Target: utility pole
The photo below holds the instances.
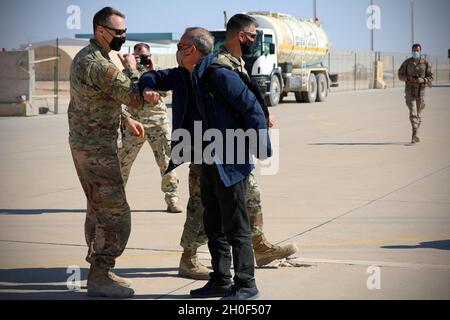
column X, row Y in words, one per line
column 372, row 27
column 412, row 23
column 314, row 9
column 225, row 17
column 56, row 79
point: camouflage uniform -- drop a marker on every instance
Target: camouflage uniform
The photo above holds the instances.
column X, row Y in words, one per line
column 97, row 91
column 158, row 134
column 415, row 92
column 193, row 234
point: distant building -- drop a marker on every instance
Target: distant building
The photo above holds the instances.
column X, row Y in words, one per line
column 161, row 43
column 163, row 49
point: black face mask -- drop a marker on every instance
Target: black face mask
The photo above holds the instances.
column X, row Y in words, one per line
column 116, row 43
column 247, row 47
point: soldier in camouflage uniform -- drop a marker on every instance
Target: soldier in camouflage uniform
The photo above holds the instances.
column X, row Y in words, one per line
column 193, row 234
column 416, row 73
column 157, row 129
column 97, row 91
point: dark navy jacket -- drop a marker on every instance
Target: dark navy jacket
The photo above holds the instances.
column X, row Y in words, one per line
column 215, row 113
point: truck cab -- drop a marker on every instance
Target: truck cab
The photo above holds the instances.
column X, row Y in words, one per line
column 288, row 57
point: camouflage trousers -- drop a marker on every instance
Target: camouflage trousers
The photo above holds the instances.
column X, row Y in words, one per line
column 108, row 219
column 415, row 101
column 159, row 139
column 194, row 233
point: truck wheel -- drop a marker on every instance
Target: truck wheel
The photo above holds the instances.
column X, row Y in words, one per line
column 322, row 87
column 299, row 97
column 275, row 92
column 311, row 94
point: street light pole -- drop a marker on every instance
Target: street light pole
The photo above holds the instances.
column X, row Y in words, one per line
column 371, row 29
column 412, row 23
column 225, row 18
column 314, row 9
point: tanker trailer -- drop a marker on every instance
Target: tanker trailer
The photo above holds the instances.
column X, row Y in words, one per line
column 287, row 57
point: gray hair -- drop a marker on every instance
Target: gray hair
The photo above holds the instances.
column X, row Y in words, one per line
column 201, row 38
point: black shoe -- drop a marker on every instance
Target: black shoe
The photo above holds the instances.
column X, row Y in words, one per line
column 242, row 294
column 211, row 290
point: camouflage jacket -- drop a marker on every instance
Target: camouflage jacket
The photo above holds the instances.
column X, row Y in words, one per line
column 226, row 58
column 410, row 71
column 148, row 116
column 97, row 91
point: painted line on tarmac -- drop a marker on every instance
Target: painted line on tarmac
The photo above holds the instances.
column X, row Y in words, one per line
column 408, row 265
column 398, row 241
column 37, row 196
column 365, row 205
column 319, row 120
column 162, row 296
column 85, row 246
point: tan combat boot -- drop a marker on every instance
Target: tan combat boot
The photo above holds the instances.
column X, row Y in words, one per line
column 415, row 138
column 173, row 206
column 265, row 252
column 191, row 267
column 122, row 281
column 101, row 284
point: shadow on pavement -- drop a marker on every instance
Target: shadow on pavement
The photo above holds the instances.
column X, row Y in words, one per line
column 38, row 275
column 44, row 295
column 439, row 244
column 50, row 283
column 52, row 275
column 44, row 211
column 404, row 144
column 163, row 296
column 80, row 295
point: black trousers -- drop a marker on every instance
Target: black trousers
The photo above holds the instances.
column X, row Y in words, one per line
column 227, row 227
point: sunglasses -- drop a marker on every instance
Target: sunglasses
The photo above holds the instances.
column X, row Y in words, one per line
column 252, row 35
column 118, row 32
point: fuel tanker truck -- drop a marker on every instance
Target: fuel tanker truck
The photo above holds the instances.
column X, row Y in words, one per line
column 287, row 57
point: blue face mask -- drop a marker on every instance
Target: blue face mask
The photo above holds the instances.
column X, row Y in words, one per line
column 416, row 54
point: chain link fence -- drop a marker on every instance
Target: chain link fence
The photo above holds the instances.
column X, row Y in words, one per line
column 49, row 88
column 356, row 68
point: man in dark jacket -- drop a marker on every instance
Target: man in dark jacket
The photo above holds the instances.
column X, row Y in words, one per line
column 223, row 182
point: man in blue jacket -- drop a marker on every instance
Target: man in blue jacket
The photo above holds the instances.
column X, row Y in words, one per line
column 223, row 182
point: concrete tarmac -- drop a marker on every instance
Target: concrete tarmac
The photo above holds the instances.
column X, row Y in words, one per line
column 369, row 211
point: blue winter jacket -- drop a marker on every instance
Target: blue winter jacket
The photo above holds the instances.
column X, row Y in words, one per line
column 233, row 106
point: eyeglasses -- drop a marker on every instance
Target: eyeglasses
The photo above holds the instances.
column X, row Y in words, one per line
column 252, row 35
column 118, row 32
column 182, row 46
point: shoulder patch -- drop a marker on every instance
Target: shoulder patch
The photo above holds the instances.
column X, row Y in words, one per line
column 111, row 73
column 121, row 77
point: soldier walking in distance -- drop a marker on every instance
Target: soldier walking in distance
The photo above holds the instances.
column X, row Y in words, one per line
column 416, row 73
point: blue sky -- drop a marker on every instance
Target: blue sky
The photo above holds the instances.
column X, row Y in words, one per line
column 23, row 21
